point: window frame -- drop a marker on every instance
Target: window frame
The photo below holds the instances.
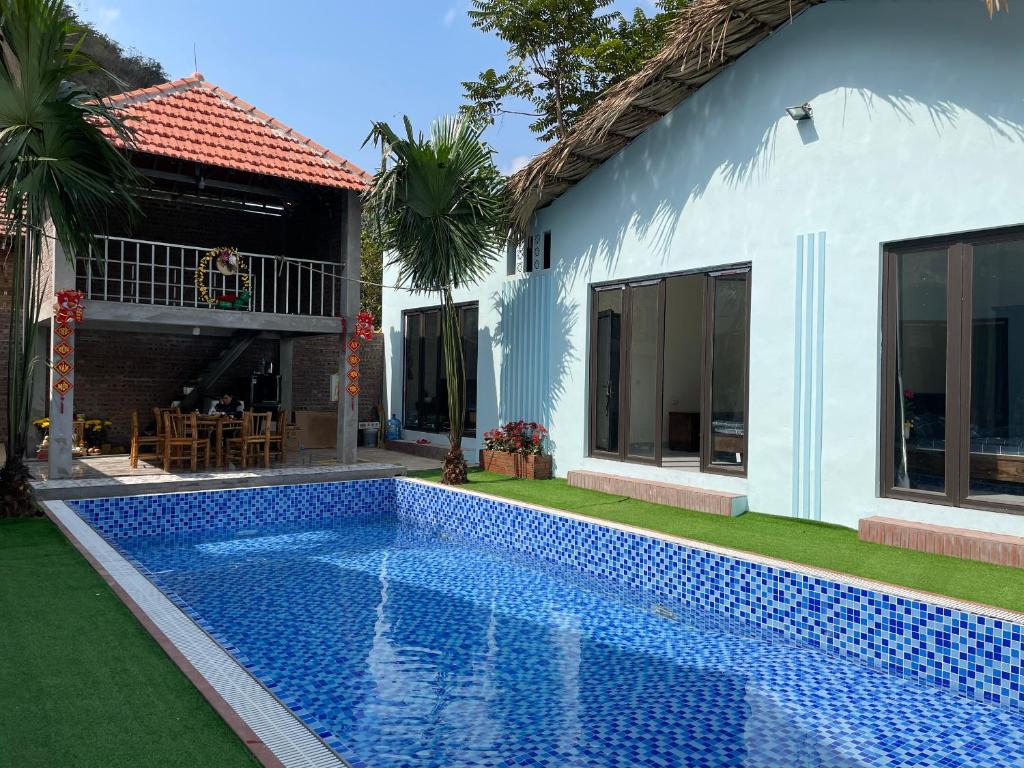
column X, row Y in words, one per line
column 421, row 313
column 707, row 377
column 959, row 368
column 709, row 273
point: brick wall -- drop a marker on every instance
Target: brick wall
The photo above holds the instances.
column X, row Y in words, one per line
column 317, row 357
column 118, row 372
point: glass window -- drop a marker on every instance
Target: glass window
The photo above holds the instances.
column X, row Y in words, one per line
column 431, row 390
column 919, row 388
column 643, row 362
column 425, row 395
column 669, row 371
column 470, row 347
column 996, row 428
column 726, row 366
column 607, row 340
column 413, row 369
column 954, row 372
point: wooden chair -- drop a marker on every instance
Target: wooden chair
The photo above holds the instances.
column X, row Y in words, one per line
column 182, row 441
column 143, row 446
column 158, row 417
column 255, row 439
column 278, row 447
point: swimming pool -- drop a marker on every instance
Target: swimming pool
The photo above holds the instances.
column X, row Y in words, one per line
column 410, row 625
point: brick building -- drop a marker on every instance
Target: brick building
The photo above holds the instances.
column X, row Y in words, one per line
column 167, row 323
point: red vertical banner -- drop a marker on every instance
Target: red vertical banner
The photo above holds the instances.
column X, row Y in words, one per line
column 364, row 330
column 68, row 311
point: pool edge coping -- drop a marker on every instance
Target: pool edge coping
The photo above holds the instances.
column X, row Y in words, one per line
column 842, row 577
column 264, row 754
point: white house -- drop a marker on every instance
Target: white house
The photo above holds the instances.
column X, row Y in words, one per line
column 820, row 308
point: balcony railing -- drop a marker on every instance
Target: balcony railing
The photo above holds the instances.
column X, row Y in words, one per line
column 147, row 272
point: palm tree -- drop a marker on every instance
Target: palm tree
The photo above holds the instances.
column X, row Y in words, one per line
column 437, row 201
column 60, row 178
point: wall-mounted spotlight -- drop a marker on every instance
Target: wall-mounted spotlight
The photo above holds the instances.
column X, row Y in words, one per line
column 803, row 112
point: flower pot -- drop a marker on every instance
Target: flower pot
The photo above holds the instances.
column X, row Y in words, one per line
column 516, row 464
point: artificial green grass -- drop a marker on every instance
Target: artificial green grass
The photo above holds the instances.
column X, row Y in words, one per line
column 82, row 683
column 802, row 541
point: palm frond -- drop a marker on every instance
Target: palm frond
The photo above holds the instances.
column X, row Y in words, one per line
column 438, row 199
column 438, row 202
column 56, row 168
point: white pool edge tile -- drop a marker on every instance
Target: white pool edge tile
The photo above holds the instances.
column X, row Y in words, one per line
column 288, row 738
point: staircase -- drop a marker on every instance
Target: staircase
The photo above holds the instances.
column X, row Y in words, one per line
column 217, row 367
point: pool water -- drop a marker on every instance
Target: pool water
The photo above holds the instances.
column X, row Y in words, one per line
column 404, row 647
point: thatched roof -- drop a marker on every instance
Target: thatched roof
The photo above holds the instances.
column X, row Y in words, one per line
column 707, row 37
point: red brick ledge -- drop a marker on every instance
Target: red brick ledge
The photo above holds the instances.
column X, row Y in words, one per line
column 996, row 548
column 669, row 494
column 256, row 745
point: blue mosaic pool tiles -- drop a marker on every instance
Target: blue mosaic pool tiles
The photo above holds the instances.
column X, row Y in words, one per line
column 157, row 514
column 974, row 655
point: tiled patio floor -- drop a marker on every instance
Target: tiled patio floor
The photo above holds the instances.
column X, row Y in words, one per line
column 112, row 475
column 117, row 465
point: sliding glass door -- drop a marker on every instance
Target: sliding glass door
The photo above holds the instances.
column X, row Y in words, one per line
column 725, row 372
column 606, row 357
column 953, row 412
column 643, row 361
column 669, row 371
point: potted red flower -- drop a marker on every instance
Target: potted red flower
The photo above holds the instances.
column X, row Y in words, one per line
column 517, row 449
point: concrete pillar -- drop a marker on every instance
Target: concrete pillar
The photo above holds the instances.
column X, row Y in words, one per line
column 61, row 419
column 348, row 412
column 285, row 364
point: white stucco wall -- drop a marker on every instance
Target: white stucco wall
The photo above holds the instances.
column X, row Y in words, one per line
column 918, row 130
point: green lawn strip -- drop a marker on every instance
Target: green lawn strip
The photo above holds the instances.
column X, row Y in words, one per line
column 82, row 682
column 802, row 541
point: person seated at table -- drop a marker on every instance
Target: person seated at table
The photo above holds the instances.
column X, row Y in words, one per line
column 228, row 406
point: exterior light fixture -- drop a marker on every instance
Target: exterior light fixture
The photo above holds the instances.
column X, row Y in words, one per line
column 803, row 112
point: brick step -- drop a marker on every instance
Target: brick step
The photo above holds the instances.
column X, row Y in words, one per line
column 669, row 494
column 997, row 548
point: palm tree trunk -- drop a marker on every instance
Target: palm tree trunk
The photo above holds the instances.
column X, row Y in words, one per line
column 26, row 296
column 454, row 468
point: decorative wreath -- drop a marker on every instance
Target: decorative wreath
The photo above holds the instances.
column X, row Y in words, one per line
column 228, row 262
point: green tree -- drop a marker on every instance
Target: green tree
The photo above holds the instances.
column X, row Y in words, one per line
column 561, row 55
column 438, row 203
column 371, row 268
column 60, row 178
column 118, row 70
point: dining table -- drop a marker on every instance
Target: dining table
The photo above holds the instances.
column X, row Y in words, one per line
column 218, row 425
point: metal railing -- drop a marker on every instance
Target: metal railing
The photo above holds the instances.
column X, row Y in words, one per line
column 148, row 272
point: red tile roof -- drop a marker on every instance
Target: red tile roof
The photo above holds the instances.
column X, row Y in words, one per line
column 195, row 120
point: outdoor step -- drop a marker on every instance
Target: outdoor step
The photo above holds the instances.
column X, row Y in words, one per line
column 426, row 450
column 669, row 494
column 997, row 548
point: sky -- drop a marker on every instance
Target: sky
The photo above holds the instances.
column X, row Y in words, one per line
column 326, row 68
